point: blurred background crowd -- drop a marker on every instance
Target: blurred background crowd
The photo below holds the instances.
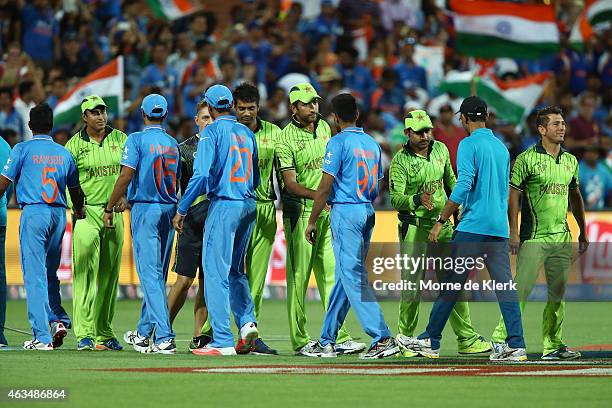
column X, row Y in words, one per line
column 390, row 54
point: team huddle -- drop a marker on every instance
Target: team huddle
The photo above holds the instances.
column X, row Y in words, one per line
column 216, row 190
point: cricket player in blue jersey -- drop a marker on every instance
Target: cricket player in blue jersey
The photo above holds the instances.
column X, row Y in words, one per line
column 226, row 169
column 151, row 169
column 5, row 151
column 351, row 170
column 41, row 170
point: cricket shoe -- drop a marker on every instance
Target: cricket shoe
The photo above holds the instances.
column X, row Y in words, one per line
column 305, row 349
column 199, row 341
column 3, row 341
column 140, row 343
column 562, row 353
column 479, row 345
column 58, row 332
column 248, row 335
column 349, row 347
column 209, row 350
column 421, row 347
column 261, row 348
column 37, row 345
column 86, row 344
column 402, row 338
column 110, row 344
column 503, row 352
column 384, row 348
column 165, row 347
column 319, row 350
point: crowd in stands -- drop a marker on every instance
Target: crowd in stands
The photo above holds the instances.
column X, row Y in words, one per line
column 367, row 47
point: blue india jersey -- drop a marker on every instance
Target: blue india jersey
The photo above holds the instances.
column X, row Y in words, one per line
column 226, row 163
column 154, row 155
column 353, row 158
column 41, row 170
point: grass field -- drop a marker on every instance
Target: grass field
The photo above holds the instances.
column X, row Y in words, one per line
column 89, row 381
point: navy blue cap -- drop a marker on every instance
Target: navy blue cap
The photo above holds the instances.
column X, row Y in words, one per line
column 219, row 96
column 154, row 106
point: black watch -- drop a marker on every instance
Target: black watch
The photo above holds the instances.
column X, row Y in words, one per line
column 107, row 211
column 440, row 220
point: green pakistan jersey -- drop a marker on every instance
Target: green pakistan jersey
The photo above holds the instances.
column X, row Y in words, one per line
column 266, row 135
column 98, row 164
column 411, row 175
column 303, row 151
column 545, row 183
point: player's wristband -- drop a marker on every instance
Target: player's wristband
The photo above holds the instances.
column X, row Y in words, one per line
column 440, row 220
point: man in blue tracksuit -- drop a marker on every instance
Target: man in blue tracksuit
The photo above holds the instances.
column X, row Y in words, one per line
column 226, row 169
column 151, row 168
column 351, row 170
column 41, row 169
column 5, row 151
column 483, row 166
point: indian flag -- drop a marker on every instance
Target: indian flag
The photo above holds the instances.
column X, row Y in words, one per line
column 497, row 29
column 106, row 82
column 511, row 100
column 172, row 9
column 598, row 11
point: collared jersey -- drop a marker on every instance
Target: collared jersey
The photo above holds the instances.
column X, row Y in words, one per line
column 187, row 150
column 98, row 163
column 226, row 164
column 303, row 151
column 266, row 135
column 545, row 182
column 352, row 157
column 154, row 155
column 42, row 169
column 412, row 175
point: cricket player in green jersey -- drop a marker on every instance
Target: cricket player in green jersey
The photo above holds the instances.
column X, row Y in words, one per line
column 246, row 99
column 418, row 175
column 300, row 149
column 96, row 251
column 188, row 255
column 546, row 176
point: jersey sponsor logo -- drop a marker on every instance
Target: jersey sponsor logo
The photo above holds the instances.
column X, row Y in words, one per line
column 432, row 186
column 554, row 188
column 44, row 159
column 103, row 171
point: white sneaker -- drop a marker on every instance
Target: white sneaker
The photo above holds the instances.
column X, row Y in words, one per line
column 208, row 350
column 421, row 347
column 349, row 347
column 318, row 350
column 37, row 345
column 165, row 347
column 503, row 352
column 307, row 348
column 248, row 335
column 140, row 343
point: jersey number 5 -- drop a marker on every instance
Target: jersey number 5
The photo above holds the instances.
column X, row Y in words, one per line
column 162, row 170
column 369, row 177
column 239, row 164
column 48, row 180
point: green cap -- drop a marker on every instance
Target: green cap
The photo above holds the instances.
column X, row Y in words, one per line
column 303, row 92
column 91, row 102
column 417, row 120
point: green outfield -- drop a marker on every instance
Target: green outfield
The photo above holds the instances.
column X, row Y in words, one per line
column 116, row 379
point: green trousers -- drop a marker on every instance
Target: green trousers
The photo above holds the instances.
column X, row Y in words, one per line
column 96, row 261
column 302, row 258
column 554, row 252
column 259, row 250
column 414, row 241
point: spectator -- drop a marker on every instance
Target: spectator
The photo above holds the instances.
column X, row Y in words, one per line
column 160, row 75
column 595, row 180
column 584, row 131
column 409, row 74
column 326, row 24
column 40, row 33
column 184, row 54
column 355, row 76
column 255, row 49
column 204, row 57
column 74, row 62
column 448, row 133
column 23, row 103
column 388, row 98
column 58, row 90
column 392, row 11
column 193, row 91
column 14, row 65
column 9, row 117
